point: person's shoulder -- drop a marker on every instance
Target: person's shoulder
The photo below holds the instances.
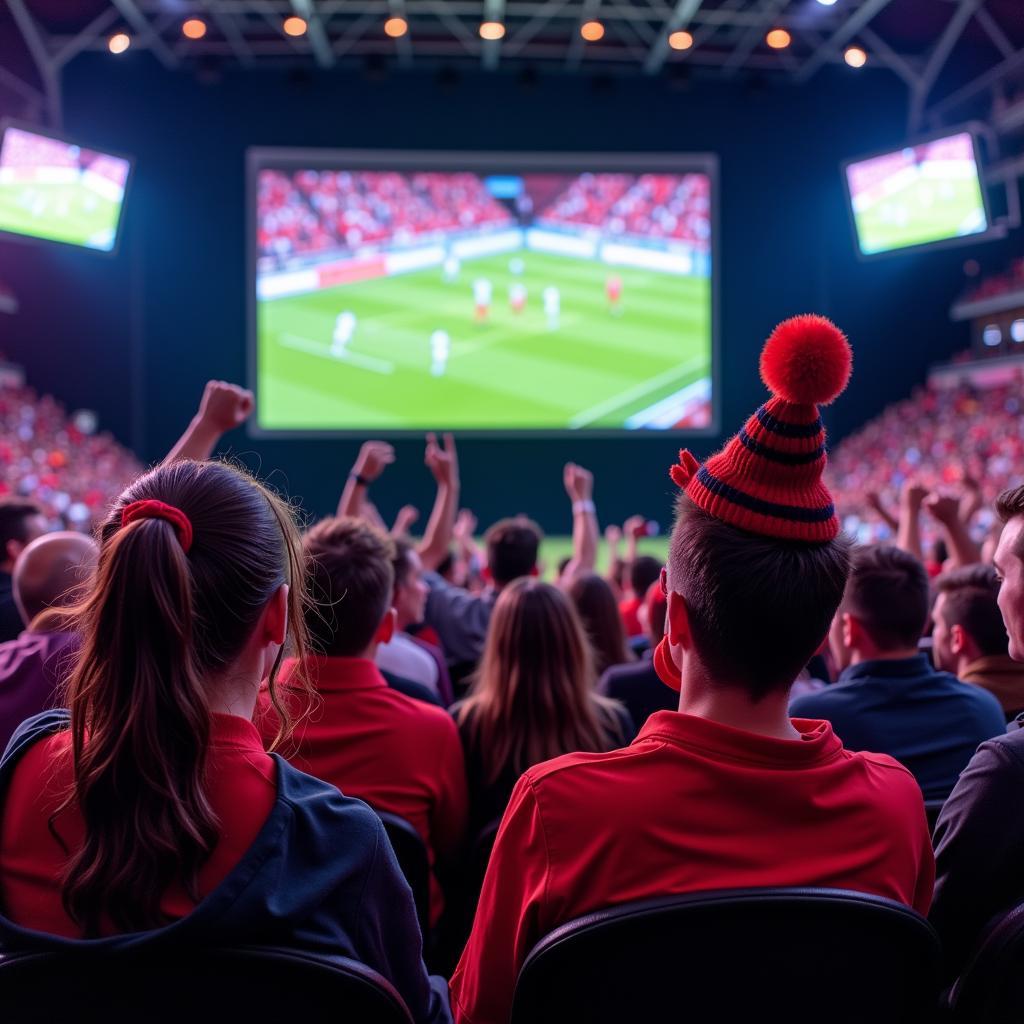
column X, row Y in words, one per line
column 833, row 696
column 32, row 730
column 419, row 713
column 570, row 770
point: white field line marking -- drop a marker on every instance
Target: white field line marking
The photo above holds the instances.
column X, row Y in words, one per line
column 638, row 391
column 319, row 348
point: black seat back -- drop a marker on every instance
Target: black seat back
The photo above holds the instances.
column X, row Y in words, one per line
column 174, row 986
column 793, row 955
column 989, row 989
column 411, row 852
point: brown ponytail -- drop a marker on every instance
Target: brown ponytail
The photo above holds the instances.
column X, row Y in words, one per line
column 158, row 626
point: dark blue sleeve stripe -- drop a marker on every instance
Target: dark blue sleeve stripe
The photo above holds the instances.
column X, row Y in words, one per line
column 764, row 508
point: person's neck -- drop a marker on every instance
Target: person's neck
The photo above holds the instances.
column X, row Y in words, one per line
column 731, row 706
column 965, row 661
column 902, row 654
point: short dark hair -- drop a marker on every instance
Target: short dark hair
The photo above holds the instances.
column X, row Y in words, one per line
column 642, row 573
column 14, row 516
column 512, row 547
column 888, row 595
column 400, row 564
column 972, row 595
column 758, row 607
column 351, row 584
column 1010, row 503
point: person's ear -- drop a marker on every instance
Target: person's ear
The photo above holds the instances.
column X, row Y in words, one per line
column 957, row 639
column 12, row 549
column 851, row 630
column 386, row 629
column 677, row 622
column 275, row 617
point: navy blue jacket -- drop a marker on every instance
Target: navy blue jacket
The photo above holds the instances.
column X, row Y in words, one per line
column 321, row 876
column 928, row 720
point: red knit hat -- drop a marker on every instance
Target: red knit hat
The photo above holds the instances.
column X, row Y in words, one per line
column 767, row 479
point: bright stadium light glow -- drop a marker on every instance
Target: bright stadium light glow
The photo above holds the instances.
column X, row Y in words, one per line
column 492, row 30
column 778, row 39
column 827, row 3
column 194, row 28
column 592, row 31
column 680, row 40
column 855, row 57
column 992, row 336
column 396, row 27
column 119, row 42
column 295, row 26
column 1017, row 330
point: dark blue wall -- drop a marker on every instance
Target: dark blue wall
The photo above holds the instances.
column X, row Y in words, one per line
column 136, row 336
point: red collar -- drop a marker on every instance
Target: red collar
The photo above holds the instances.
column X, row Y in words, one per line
column 818, row 743
column 234, row 731
column 337, row 675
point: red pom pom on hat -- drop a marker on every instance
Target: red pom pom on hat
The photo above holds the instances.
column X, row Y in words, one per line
column 806, row 360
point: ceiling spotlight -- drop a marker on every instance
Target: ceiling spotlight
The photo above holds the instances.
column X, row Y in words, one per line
column 778, row 39
column 680, row 40
column 194, row 28
column 119, row 42
column 492, row 30
column 855, row 57
column 827, row 3
column 396, row 27
column 592, row 31
column 294, row 26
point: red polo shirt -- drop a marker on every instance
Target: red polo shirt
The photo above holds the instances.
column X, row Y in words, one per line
column 242, row 788
column 400, row 755
column 690, row 805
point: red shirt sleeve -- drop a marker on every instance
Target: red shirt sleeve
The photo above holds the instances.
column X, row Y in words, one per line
column 510, row 917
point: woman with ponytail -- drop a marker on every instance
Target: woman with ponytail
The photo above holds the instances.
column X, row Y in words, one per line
column 149, row 805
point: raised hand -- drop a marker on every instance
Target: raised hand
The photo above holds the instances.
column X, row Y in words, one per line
column 443, row 462
column 225, row 406
column 635, row 526
column 912, row 494
column 944, row 507
column 579, row 482
column 407, row 515
column 465, row 526
column 373, row 458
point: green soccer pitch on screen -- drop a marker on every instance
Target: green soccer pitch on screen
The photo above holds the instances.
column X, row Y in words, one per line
column 410, row 297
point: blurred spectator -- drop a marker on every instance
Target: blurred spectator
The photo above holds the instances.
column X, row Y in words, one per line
column 595, row 604
column 20, row 523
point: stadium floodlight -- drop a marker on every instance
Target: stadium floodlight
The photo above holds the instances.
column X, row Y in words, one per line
column 193, row 28
column 592, row 31
column 827, row 3
column 1017, row 331
column 119, row 42
column 680, row 40
column 396, row 27
column 492, row 30
column 855, row 57
column 778, row 39
column 295, row 26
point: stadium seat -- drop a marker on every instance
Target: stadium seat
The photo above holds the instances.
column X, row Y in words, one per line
column 413, row 860
column 794, row 955
column 989, row 988
column 167, row 984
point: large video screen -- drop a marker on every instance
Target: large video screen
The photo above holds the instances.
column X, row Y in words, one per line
column 58, row 191
column 488, row 296
column 916, row 196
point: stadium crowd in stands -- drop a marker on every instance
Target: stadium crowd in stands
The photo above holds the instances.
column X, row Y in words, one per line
column 223, row 728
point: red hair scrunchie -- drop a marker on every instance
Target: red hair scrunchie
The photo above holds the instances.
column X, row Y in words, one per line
column 150, row 508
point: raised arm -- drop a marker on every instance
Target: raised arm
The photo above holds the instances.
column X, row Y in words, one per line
column 613, row 541
column 443, row 463
column 908, row 536
column 579, row 485
column 407, row 516
column 223, row 407
column 946, row 510
column 874, row 500
column 373, row 458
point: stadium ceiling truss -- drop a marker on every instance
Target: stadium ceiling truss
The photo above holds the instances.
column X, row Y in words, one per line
column 728, row 36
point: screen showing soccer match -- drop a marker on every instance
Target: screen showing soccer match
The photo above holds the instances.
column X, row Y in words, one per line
column 485, row 299
column 55, row 190
column 918, row 195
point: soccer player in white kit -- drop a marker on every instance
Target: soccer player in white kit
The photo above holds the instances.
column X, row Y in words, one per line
column 440, row 346
column 344, row 328
column 482, row 291
column 517, row 296
column 552, row 306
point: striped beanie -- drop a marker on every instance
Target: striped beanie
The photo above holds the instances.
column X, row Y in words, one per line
column 767, row 479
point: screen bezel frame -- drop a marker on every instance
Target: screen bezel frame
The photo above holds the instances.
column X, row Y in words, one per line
column 992, row 231
column 46, row 133
column 258, row 158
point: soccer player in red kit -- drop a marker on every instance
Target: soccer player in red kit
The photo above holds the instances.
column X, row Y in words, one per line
column 613, row 289
column 728, row 791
